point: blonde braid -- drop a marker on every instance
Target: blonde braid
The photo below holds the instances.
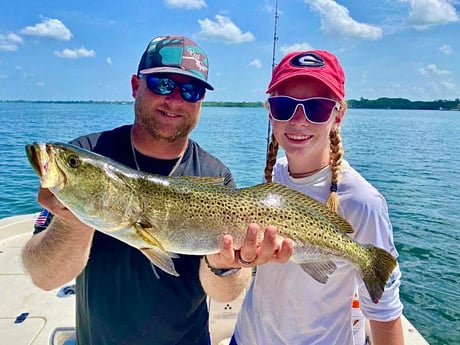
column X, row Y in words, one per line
column 336, row 151
column 271, row 158
column 336, row 161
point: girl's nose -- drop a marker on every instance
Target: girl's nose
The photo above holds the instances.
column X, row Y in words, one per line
column 299, row 115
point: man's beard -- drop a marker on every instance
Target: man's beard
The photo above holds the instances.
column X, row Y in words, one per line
column 154, row 129
column 150, row 124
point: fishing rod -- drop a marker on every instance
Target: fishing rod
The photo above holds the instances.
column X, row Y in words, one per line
column 275, row 35
column 275, row 39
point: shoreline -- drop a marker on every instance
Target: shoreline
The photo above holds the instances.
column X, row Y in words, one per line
column 380, row 103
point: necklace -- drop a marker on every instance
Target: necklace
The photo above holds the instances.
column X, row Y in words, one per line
column 133, row 150
column 306, row 174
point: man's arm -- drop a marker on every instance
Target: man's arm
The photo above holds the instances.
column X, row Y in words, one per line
column 225, row 289
column 58, row 254
column 387, row 333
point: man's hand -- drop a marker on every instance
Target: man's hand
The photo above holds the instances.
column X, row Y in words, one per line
column 252, row 253
column 51, row 203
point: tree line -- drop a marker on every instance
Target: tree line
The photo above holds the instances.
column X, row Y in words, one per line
column 402, row 103
column 362, row 103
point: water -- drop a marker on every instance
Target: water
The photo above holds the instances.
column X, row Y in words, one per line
column 410, row 156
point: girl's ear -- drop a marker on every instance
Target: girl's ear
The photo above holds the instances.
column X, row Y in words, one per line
column 339, row 117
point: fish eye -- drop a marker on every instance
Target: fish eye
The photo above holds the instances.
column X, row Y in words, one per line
column 74, row 161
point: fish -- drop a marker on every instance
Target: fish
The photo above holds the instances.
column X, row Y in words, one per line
column 165, row 217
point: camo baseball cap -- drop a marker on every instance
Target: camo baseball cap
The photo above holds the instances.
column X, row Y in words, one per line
column 319, row 64
column 175, row 54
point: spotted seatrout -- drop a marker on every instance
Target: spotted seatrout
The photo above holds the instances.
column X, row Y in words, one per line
column 166, row 216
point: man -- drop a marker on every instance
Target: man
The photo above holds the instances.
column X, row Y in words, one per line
column 121, row 298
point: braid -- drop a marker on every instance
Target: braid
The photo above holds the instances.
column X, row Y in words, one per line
column 332, row 201
column 336, row 151
column 271, row 158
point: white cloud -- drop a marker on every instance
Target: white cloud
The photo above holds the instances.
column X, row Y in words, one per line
column 255, row 63
column 432, row 70
column 10, row 42
column 48, row 28
column 187, row 4
column 295, row 47
column 446, row 49
column 337, row 22
column 424, row 13
column 448, row 85
column 109, row 60
column 75, row 53
column 440, row 90
column 223, row 30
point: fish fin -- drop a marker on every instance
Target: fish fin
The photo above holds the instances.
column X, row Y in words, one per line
column 144, row 224
column 376, row 273
column 147, row 236
column 320, row 271
column 173, row 255
column 160, row 259
column 156, row 253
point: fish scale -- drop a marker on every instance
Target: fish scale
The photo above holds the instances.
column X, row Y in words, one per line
column 164, row 217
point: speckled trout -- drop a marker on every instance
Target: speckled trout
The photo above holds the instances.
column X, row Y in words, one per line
column 166, row 216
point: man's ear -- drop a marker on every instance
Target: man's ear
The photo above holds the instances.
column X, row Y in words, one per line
column 134, row 85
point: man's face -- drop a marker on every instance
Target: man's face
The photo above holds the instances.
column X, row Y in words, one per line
column 166, row 118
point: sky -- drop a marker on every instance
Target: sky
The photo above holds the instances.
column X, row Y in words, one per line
column 87, row 50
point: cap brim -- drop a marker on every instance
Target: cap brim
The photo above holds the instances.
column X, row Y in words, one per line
column 175, row 70
column 326, row 82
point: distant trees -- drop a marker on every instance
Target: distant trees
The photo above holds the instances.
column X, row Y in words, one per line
column 402, row 103
column 362, row 103
column 233, row 104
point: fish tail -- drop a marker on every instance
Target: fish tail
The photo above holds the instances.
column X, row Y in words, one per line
column 377, row 272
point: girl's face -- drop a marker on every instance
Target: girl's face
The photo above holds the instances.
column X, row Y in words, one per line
column 306, row 144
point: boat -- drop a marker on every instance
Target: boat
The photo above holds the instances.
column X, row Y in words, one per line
column 31, row 316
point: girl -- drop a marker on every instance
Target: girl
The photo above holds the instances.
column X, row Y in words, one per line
column 284, row 305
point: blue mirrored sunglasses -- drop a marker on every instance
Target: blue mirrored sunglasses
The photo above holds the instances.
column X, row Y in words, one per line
column 317, row 110
column 164, row 86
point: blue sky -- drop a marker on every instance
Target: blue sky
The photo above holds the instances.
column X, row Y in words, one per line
column 88, row 50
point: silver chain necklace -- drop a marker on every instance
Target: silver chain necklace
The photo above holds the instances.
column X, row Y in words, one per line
column 133, row 150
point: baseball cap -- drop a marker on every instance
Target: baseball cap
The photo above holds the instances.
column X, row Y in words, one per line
column 175, row 54
column 318, row 64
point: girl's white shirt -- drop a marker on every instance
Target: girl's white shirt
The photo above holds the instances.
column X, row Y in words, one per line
column 284, row 305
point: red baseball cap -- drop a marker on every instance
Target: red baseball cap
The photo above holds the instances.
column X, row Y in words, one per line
column 318, row 64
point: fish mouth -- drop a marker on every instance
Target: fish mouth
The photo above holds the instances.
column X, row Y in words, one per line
column 38, row 158
column 42, row 159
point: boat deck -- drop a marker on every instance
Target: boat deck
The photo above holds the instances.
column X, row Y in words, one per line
column 31, row 316
column 28, row 314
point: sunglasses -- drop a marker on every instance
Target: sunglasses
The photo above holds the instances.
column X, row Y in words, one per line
column 317, row 110
column 165, row 86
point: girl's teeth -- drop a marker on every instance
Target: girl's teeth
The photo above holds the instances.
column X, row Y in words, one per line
column 297, row 137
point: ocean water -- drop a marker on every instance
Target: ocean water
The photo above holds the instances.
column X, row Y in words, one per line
column 410, row 156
